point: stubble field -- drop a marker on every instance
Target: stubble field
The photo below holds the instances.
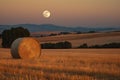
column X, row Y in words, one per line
column 63, row 64
column 79, row 39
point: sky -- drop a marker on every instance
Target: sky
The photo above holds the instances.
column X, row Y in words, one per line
column 93, row 13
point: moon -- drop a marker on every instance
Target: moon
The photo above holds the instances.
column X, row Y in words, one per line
column 46, row 14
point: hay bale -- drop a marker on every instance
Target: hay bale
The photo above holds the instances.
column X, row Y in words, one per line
column 25, row 48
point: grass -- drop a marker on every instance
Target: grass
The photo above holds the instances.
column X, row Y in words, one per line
column 70, row 64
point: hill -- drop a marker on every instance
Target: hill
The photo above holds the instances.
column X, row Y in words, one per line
column 51, row 27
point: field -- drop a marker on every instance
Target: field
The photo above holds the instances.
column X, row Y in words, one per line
column 79, row 39
column 63, row 64
column 89, row 38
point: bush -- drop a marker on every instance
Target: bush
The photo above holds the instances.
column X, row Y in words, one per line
column 95, row 46
column 64, row 33
column 48, row 46
column 8, row 36
column 110, row 45
column 0, row 35
column 91, row 32
column 78, row 32
column 63, row 45
column 52, row 34
column 59, row 45
column 83, row 46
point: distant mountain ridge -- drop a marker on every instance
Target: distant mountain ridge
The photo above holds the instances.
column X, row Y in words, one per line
column 51, row 27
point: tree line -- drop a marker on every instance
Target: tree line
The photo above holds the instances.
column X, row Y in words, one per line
column 59, row 45
column 68, row 45
column 109, row 45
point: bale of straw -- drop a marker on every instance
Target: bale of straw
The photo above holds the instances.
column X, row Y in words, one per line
column 25, row 48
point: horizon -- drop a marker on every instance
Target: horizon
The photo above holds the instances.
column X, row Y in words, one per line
column 65, row 13
column 61, row 25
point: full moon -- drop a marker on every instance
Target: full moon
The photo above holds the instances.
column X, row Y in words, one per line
column 46, row 14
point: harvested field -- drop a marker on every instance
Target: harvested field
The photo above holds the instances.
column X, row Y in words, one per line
column 89, row 38
column 63, row 64
column 78, row 39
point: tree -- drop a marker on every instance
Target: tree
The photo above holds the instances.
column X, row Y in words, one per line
column 8, row 36
column 63, row 45
column 78, row 32
column 83, row 46
column 67, row 45
column 48, row 46
column 0, row 35
column 91, row 32
column 59, row 45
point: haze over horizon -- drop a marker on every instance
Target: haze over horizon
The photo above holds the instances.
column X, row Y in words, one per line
column 94, row 13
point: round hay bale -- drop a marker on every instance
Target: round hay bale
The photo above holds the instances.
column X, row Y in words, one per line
column 25, row 48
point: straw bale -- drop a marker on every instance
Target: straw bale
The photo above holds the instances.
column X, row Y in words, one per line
column 25, row 48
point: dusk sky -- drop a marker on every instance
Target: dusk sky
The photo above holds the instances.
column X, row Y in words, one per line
column 63, row 12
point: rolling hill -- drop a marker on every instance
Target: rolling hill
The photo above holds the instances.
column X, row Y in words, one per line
column 51, row 27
